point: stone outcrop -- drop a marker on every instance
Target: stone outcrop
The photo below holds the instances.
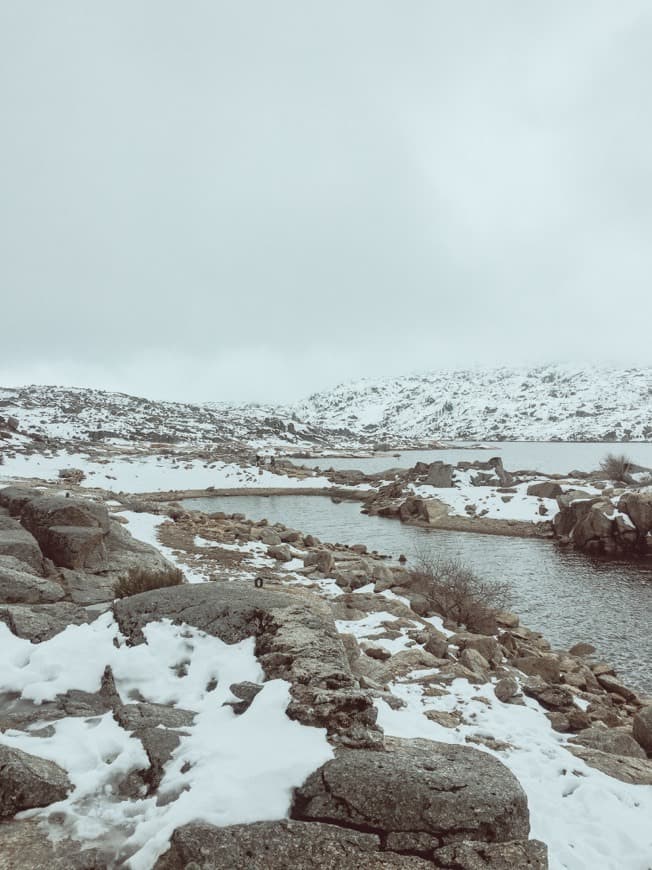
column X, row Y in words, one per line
column 27, row 781
column 296, row 640
column 280, row 846
column 419, row 796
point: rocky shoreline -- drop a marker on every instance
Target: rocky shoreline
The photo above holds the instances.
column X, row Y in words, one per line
column 348, row 632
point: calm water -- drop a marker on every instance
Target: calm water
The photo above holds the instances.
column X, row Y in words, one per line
column 549, row 456
column 565, row 595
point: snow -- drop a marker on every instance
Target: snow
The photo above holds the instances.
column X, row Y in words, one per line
column 586, row 818
column 246, row 775
column 143, row 527
column 137, row 474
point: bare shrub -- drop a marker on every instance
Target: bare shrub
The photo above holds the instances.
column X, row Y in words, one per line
column 457, row 593
column 143, row 580
column 617, row 467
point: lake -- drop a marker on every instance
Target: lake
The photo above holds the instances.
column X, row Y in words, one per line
column 565, row 595
column 552, row 457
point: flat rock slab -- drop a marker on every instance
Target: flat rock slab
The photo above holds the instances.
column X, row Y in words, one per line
column 230, row 611
column 21, row 587
column 25, row 844
column 280, row 846
column 27, row 781
column 20, row 544
column 634, row 771
column 419, row 796
column 39, row 622
column 87, row 588
column 519, row 855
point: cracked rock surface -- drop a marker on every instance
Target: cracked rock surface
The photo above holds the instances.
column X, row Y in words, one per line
column 419, row 796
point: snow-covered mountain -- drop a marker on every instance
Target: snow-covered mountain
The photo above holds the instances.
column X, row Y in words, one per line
column 65, row 415
column 539, row 404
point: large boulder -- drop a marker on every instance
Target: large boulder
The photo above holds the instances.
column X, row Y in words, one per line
column 17, row 542
column 296, row 640
column 642, row 729
column 417, row 797
column 612, row 740
column 42, row 621
column 545, row 489
column 280, row 846
column 27, row 781
column 70, row 531
column 638, row 507
column 26, row 844
column 440, row 474
column 14, row 498
column 125, row 553
column 23, row 587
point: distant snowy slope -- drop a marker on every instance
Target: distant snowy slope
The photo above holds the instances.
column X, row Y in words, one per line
column 547, row 402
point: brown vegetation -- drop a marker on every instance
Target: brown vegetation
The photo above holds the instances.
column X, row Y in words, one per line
column 457, row 593
column 142, row 580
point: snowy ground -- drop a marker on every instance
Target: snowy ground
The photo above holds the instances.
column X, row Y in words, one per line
column 246, row 775
column 493, row 504
column 153, row 473
column 588, row 820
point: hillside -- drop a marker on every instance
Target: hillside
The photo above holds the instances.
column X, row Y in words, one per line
column 537, row 404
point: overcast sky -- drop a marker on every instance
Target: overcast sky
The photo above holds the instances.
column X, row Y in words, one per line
column 255, row 200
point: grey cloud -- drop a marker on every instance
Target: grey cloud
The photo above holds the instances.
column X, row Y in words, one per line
column 254, row 200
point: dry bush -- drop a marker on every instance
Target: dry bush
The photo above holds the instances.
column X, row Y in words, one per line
column 617, row 468
column 142, row 580
column 457, row 593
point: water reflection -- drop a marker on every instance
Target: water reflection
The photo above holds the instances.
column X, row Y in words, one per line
column 563, row 594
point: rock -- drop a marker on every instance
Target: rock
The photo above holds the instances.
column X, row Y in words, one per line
column 77, row 547
column 41, row 622
column 245, row 692
column 27, row 781
column 545, row 666
column 436, row 645
column 322, row 559
column 434, row 510
column 420, row 795
column 611, row 740
column 40, row 514
column 281, row 552
column 14, row 498
column 474, row 661
column 638, row 507
column 440, row 474
column 19, row 587
column 611, row 684
column 545, row 489
column 506, row 619
column 280, row 845
column 377, row 652
column 85, row 588
column 516, row 855
column 582, row 649
column 296, row 640
column 506, row 688
column 18, row 542
column 155, row 725
column 406, row 660
column 642, row 728
column 486, row 645
column 635, row 771
column 550, row 697
column 25, row 844
column 125, row 553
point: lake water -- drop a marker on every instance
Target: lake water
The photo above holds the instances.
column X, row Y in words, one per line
column 565, row 595
column 552, row 457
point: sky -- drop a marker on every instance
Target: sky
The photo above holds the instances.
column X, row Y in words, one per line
column 252, row 201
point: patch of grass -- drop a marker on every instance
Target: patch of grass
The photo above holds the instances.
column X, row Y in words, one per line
column 457, row 593
column 143, row 580
column 617, row 467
